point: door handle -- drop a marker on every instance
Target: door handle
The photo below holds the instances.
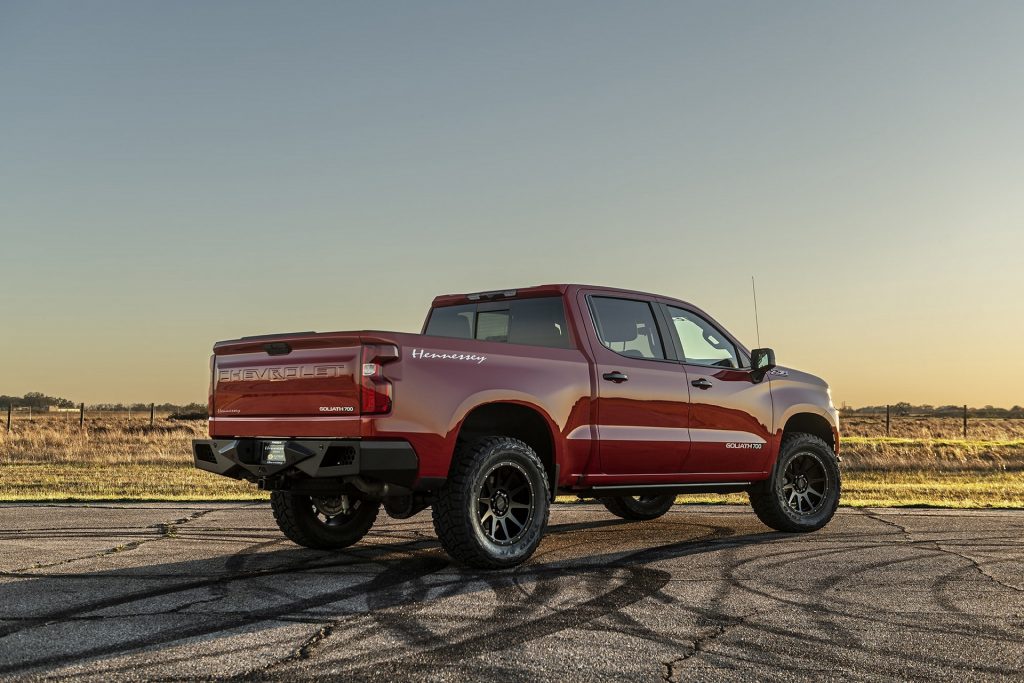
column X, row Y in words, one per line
column 701, row 383
column 616, row 376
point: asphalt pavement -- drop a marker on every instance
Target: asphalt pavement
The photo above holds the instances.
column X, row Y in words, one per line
column 204, row 590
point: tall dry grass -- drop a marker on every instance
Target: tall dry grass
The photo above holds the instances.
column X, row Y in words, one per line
column 105, row 439
column 861, row 454
column 932, row 444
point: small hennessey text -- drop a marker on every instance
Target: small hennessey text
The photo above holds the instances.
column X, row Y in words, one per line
column 421, row 353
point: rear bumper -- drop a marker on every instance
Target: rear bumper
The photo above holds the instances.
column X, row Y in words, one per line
column 394, row 462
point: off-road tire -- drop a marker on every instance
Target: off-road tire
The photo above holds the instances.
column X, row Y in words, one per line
column 647, row 507
column 771, row 504
column 457, row 509
column 297, row 517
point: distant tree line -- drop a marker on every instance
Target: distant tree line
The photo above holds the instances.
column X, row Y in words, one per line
column 35, row 399
column 926, row 410
column 159, row 407
column 40, row 401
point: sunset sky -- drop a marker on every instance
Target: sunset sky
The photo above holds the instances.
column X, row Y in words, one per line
column 180, row 172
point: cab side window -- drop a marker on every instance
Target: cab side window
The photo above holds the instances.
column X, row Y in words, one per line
column 703, row 343
column 627, row 327
column 534, row 322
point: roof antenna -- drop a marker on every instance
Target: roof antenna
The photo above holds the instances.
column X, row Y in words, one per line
column 757, row 325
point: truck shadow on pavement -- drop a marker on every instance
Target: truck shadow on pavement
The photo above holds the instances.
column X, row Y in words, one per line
column 390, row 581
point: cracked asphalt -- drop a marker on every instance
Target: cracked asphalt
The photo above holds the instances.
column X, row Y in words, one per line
column 204, row 590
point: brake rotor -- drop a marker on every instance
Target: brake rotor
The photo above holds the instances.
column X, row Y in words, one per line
column 331, row 507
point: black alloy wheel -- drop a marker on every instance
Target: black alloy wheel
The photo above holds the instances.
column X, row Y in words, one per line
column 506, row 503
column 802, row 493
column 805, row 483
column 492, row 509
column 325, row 523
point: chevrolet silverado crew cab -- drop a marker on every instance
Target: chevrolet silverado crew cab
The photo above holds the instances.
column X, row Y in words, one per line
column 508, row 398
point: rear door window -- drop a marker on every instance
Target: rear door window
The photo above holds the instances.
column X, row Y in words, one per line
column 539, row 322
column 627, row 327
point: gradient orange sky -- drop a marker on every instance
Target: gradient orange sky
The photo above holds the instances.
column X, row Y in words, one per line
column 176, row 173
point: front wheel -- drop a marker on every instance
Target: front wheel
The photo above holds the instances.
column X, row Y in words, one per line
column 493, row 508
column 803, row 491
column 639, row 507
column 326, row 523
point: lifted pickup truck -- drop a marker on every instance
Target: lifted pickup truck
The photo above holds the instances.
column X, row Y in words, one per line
column 508, row 398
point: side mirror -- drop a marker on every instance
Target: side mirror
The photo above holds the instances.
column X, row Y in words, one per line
column 761, row 361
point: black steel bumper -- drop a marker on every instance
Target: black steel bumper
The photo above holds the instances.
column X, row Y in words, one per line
column 394, row 462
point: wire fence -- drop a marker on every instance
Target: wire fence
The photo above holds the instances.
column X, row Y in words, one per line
column 136, row 414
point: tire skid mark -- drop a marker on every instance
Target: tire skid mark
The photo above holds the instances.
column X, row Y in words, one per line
column 883, row 668
column 393, row 576
column 352, row 559
column 641, row 582
column 387, row 584
column 835, row 610
column 822, row 602
column 836, row 602
column 802, row 556
column 163, row 530
column 511, row 605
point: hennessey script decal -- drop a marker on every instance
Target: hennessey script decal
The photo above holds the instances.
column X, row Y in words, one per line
column 430, row 355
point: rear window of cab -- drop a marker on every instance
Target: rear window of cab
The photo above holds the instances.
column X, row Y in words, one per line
column 533, row 322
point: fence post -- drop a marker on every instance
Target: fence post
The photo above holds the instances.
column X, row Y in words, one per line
column 8, row 417
column 887, row 420
column 965, row 421
column 81, row 416
column 151, row 413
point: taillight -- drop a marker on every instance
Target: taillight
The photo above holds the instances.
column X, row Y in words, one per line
column 211, row 392
column 375, row 388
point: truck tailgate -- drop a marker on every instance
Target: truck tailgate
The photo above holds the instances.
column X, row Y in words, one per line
column 287, row 376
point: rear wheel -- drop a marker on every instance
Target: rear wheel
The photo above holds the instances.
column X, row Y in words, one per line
column 493, row 508
column 803, row 491
column 639, row 507
column 324, row 523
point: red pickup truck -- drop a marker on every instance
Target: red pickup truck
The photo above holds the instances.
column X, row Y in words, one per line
column 508, row 398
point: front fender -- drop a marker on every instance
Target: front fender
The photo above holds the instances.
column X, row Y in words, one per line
column 829, row 414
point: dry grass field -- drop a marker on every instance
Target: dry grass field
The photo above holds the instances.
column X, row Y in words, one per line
column 924, row 462
column 112, row 458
